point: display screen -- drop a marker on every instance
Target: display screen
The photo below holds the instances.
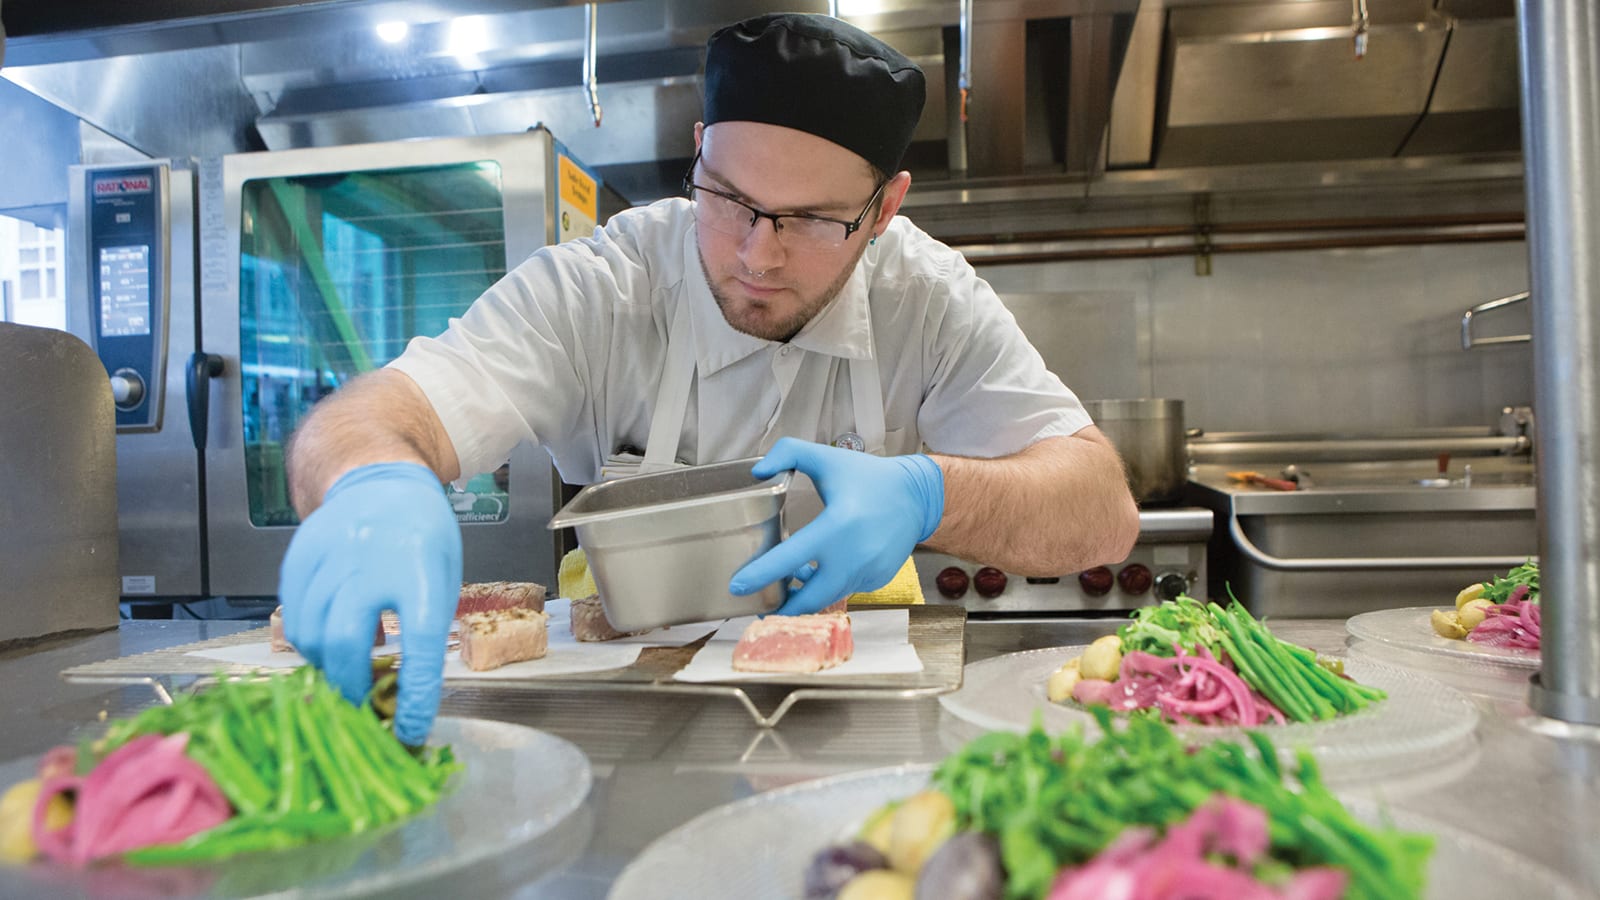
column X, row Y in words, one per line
column 125, row 290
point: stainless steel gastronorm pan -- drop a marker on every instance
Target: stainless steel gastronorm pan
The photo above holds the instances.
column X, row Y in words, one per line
column 662, row 546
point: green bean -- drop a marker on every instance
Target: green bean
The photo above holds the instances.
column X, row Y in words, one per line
column 1293, row 674
column 363, row 775
column 1270, row 684
column 233, row 777
column 1287, row 670
column 342, row 794
column 291, row 781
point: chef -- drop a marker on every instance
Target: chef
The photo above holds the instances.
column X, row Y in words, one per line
column 780, row 307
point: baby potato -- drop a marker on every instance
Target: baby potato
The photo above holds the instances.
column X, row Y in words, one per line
column 879, row 884
column 878, row 827
column 1103, row 659
column 1447, row 623
column 1061, row 683
column 1469, row 594
column 919, row 826
column 16, row 820
column 1474, row 612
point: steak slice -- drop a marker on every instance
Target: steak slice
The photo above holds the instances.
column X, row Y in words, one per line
column 794, row 644
column 589, row 622
column 486, row 596
column 493, row 639
column 280, row 644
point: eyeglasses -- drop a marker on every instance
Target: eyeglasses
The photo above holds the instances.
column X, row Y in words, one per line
column 729, row 215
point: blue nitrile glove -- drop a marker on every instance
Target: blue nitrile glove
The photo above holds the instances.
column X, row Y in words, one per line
column 383, row 538
column 875, row 510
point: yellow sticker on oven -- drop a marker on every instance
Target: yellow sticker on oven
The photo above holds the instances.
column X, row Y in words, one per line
column 579, row 206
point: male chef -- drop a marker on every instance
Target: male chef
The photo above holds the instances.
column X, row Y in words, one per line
column 779, row 307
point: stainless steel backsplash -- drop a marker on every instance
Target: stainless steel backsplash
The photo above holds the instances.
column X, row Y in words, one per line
column 1350, row 339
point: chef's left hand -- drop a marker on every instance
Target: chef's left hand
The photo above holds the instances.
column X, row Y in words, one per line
column 875, row 510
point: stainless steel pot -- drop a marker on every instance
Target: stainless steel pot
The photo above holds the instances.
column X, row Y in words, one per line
column 1149, row 435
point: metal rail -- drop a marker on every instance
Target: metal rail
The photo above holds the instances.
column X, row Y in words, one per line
column 1468, row 341
column 1354, row 449
column 1361, row 563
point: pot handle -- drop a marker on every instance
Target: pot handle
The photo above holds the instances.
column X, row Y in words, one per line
column 1361, row 563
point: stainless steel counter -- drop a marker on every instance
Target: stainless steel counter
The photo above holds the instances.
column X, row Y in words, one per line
column 1533, row 785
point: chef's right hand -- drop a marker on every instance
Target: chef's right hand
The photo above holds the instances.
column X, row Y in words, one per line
column 383, row 538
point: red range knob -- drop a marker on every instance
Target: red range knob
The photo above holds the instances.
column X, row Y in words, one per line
column 1096, row 582
column 989, row 581
column 952, row 582
column 1135, row 578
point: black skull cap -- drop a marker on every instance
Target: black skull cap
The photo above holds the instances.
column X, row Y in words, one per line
column 819, row 75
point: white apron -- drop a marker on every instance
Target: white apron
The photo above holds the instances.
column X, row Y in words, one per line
column 672, row 404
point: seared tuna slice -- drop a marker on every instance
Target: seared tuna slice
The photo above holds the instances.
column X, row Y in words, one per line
column 490, row 640
column 794, row 643
column 491, row 595
column 589, row 622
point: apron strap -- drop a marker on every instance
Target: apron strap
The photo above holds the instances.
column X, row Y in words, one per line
column 866, row 395
column 672, row 398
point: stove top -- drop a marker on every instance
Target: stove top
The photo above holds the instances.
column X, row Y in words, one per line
column 1168, row 559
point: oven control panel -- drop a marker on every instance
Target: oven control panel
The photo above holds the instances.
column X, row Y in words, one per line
column 1169, row 559
column 128, row 286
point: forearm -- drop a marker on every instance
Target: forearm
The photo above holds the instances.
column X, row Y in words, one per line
column 380, row 417
column 1059, row 506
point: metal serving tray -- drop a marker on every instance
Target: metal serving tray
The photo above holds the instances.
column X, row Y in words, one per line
column 937, row 632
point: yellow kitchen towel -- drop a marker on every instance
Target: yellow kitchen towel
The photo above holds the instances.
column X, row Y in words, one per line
column 574, row 580
column 902, row 588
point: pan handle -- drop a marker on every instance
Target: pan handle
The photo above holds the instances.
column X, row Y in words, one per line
column 1362, row 563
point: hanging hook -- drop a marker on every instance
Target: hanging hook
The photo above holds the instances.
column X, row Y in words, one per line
column 1359, row 22
column 590, row 86
column 964, row 79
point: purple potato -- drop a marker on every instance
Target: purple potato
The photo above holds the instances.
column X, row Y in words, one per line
column 835, row 865
column 965, row 867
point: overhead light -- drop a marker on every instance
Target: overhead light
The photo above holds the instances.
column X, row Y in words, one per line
column 467, row 37
column 393, row 32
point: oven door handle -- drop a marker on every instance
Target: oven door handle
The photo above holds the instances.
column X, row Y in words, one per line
column 197, row 378
column 1362, row 563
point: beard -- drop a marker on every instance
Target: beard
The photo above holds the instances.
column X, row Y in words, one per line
column 761, row 318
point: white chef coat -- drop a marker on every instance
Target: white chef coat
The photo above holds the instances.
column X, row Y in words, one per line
column 568, row 351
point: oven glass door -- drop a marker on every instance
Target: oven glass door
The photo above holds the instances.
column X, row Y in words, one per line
column 337, row 273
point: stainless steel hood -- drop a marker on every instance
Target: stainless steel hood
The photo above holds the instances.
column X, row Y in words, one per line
column 1070, row 95
column 1299, row 81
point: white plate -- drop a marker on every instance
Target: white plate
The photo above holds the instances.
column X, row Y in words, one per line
column 499, row 822
column 1412, row 628
column 1420, row 718
column 758, row 847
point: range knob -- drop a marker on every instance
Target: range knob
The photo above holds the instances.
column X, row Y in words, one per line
column 989, row 581
column 1135, row 578
column 1096, row 582
column 952, row 582
column 1169, row 585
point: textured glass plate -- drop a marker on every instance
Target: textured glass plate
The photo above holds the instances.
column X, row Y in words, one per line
column 499, row 823
column 758, row 847
column 1420, row 718
column 1411, row 628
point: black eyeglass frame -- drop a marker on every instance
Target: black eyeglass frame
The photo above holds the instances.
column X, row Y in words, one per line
column 850, row 228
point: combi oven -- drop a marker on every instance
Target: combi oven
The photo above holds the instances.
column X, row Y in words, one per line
column 226, row 297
